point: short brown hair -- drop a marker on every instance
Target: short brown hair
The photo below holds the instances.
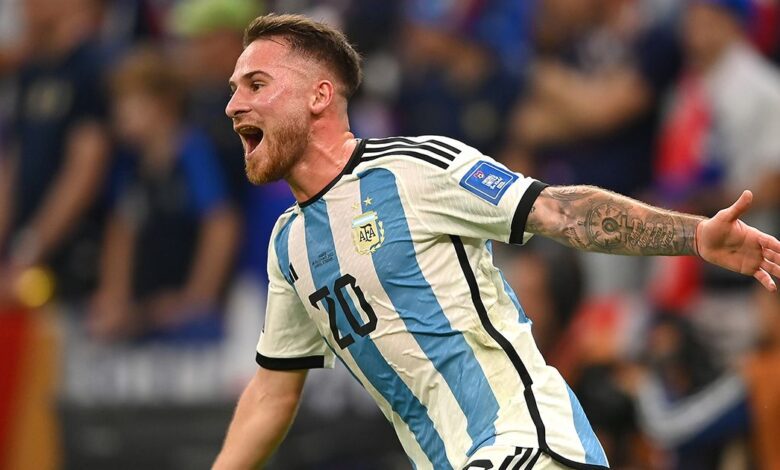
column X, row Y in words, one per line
column 145, row 70
column 313, row 39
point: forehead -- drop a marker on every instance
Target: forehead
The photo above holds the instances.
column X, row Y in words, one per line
column 270, row 55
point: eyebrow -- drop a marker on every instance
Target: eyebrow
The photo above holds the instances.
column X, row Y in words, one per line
column 249, row 75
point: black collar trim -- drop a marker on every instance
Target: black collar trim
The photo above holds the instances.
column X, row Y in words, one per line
column 354, row 159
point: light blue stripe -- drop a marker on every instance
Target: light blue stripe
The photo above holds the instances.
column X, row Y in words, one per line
column 522, row 317
column 320, row 245
column 413, row 299
column 594, row 454
column 341, row 359
column 282, row 251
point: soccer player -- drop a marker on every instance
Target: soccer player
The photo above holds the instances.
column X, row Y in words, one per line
column 386, row 263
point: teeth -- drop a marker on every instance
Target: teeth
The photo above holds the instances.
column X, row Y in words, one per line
column 250, row 131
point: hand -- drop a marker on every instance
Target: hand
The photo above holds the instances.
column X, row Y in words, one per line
column 165, row 309
column 172, row 308
column 110, row 317
column 726, row 241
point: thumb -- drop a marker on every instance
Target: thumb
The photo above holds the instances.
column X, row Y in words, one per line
column 739, row 207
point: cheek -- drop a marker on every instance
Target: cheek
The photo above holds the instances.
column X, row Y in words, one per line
column 132, row 117
column 282, row 102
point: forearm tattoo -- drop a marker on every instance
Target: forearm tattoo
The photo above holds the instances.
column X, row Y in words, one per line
column 594, row 219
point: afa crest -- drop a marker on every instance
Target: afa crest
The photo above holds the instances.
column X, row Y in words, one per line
column 368, row 233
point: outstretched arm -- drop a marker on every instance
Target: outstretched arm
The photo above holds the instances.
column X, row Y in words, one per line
column 593, row 219
column 264, row 413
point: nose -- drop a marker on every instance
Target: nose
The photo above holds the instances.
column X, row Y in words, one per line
column 236, row 105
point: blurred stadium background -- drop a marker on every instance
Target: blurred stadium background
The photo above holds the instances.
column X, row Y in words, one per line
column 132, row 250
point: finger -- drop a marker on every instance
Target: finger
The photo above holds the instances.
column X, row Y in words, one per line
column 771, row 255
column 771, row 268
column 766, row 280
column 740, row 206
column 770, row 242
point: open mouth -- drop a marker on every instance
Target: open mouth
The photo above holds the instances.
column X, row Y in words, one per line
column 251, row 136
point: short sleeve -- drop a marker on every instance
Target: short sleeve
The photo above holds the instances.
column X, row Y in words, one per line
column 290, row 340
column 475, row 196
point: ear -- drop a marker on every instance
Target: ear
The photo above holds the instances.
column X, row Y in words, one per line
column 324, row 93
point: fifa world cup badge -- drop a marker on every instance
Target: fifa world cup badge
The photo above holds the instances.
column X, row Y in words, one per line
column 368, row 233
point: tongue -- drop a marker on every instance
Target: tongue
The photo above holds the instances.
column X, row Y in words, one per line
column 253, row 141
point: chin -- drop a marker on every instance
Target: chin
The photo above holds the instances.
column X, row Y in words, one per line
column 260, row 179
column 274, row 158
column 260, row 170
column 258, row 175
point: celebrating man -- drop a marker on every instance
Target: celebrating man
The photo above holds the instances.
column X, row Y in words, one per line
column 386, row 263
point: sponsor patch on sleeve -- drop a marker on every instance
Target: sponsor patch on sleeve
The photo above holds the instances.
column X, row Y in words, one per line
column 488, row 181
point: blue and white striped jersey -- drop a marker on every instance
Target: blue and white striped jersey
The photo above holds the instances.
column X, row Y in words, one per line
column 390, row 269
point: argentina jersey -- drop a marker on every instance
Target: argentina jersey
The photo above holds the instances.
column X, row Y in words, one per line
column 389, row 269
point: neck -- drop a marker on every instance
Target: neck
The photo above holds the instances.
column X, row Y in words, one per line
column 322, row 161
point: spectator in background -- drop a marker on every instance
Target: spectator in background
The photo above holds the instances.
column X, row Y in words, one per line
column 11, row 38
column 722, row 132
column 172, row 233
column 454, row 83
column 211, row 39
column 590, row 116
column 765, row 28
column 723, row 128
column 687, row 404
column 211, row 34
column 52, row 175
column 373, row 26
column 761, row 372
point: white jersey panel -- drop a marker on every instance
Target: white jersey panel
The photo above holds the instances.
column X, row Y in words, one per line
column 440, row 266
column 405, row 435
column 392, row 266
column 474, row 196
column 397, row 345
column 290, row 339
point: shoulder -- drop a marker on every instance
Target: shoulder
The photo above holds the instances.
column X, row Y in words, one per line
column 284, row 220
column 281, row 227
column 426, row 151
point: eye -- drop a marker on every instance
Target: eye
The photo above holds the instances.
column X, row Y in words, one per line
column 255, row 86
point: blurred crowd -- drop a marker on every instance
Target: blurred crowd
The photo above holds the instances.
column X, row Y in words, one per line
column 133, row 249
